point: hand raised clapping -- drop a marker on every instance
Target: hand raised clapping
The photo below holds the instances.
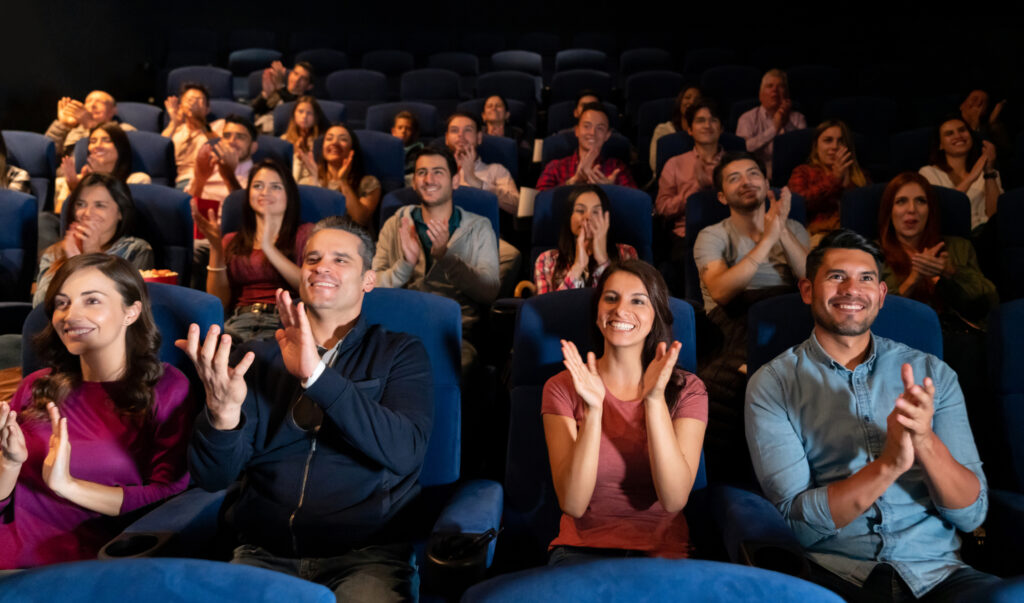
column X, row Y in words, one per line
column 225, row 386
column 659, row 372
column 12, row 441
column 585, row 377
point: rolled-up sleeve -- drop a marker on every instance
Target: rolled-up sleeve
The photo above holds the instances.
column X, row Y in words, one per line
column 780, row 460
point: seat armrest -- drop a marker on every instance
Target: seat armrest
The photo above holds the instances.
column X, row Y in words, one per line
column 755, row 533
column 461, row 545
column 181, row 526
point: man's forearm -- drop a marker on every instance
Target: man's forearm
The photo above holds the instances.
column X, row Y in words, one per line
column 848, row 499
column 952, row 485
column 796, row 253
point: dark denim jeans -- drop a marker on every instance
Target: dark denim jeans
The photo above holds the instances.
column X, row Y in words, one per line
column 885, row 584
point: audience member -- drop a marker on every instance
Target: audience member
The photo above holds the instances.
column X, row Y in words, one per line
column 864, row 445
column 774, row 116
column 104, row 400
column 11, row 176
column 97, row 217
column 363, row 410
column 984, row 120
column 248, row 267
column 280, row 86
column 188, row 128
column 223, row 165
column 495, row 117
column 831, row 169
column 75, row 119
column 109, row 153
column 341, row 168
column 306, row 124
column 959, row 162
column 462, row 137
column 624, row 431
column 440, row 248
column 586, row 165
column 753, row 254
column 677, row 123
column 406, row 128
column 583, row 253
column 686, row 174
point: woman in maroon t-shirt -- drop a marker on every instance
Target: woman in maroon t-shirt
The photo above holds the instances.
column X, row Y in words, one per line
column 625, row 431
column 248, row 267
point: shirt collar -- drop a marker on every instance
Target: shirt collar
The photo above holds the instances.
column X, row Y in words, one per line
column 818, row 353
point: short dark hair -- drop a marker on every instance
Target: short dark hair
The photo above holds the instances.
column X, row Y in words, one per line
column 347, row 224
column 185, row 87
column 436, row 150
column 238, row 119
column 118, row 190
column 595, row 107
column 503, row 100
column 474, row 118
column 842, row 239
column 586, row 92
column 412, row 120
column 702, row 103
column 730, row 157
column 307, row 66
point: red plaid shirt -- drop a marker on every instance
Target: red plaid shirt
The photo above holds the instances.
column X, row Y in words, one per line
column 558, row 171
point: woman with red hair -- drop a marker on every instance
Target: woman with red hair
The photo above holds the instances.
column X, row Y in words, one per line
column 924, row 265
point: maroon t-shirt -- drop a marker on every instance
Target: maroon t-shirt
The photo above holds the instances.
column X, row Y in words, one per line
column 253, row 278
column 624, row 512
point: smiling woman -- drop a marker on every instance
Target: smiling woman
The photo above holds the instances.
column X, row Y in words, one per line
column 96, row 218
column 959, row 161
column 104, row 395
column 246, row 268
column 341, row 168
column 624, row 431
column 831, row 169
column 109, row 153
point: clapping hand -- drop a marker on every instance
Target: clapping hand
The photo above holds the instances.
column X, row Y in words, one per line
column 12, row 441
column 56, row 465
column 225, row 386
column 409, row 241
column 585, row 377
column 659, row 372
column 915, row 407
column 298, row 348
column 437, row 232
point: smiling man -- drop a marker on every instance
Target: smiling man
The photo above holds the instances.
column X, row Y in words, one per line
column 586, row 164
column 439, row 248
column 774, row 116
column 223, row 166
column 863, row 443
column 328, row 427
column 76, row 119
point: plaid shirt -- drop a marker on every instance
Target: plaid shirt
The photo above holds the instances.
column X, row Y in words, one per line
column 558, row 171
column 544, row 271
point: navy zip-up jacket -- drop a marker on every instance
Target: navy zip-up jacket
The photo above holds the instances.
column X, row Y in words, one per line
column 320, row 492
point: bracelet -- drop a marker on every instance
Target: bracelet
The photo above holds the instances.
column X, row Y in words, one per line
column 216, row 268
column 991, row 175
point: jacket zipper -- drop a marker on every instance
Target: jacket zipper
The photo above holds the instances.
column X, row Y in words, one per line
column 302, row 491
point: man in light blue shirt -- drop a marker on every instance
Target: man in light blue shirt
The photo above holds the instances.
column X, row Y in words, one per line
column 863, row 443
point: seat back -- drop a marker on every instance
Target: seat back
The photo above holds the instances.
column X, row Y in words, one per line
column 37, row 155
column 531, row 507
column 216, row 79
column 358, row 89
column 779, row 323
column 1010, row 237
column 560, row 115
column 858, row 210
column 163, row 217
column 629, row 208
column 1006, row 365
column 564, row 144
column 434, row 86
column 437, row 322
column 384, row 157
column 650, row 85
column 517, row 60
column 315, row 204
column 221, row 108
column 481, row 203
column 19, row 212
column 581, row 58
column 678, row 143
column 566, row 85
column 154, row 155
column 174, row 309
column 519, row 114
column 381, row 117
column 145, row 117
column 644, row 59
column 274, row 147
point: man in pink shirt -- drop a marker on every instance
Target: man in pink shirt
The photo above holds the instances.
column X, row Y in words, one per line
column 774, row 116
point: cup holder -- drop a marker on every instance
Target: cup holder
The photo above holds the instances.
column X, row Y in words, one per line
column 126, row 546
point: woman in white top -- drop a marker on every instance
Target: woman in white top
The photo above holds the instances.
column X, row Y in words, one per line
column 960, row 162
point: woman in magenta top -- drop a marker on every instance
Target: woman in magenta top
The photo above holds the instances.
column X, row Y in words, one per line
column 624, row 431
column 101, row 431
column 583, row 251
column 248, row 267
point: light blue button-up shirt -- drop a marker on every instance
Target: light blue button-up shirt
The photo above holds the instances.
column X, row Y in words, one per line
column 810, row 421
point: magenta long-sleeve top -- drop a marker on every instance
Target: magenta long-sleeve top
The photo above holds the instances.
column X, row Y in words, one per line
column 144, row 457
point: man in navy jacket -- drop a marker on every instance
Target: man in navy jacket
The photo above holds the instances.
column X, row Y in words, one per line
column 327, row 427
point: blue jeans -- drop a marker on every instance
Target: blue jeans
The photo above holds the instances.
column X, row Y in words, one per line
column 885, row 584
column 373, row 573
column 250, row 326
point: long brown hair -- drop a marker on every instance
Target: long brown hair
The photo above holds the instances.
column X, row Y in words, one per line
column 132, row 394
column 857, row 177
column 356, row 170
column 567, row 240
column 895, row 255
column 295, row 136
column 661, row 328
column 938, row 156
column 244, row 240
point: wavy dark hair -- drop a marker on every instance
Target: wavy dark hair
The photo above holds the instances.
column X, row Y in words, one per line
column 294, row 135
column 661, row 328
column 857, row 177
column 567, row 240
column 356, row 170
column 938, row 156
column 132, row 394
column 123, row 166
column 243, row 241
column 678, row 116
column 895, row 255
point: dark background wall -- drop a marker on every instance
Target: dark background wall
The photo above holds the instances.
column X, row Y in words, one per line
column 69, row 48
